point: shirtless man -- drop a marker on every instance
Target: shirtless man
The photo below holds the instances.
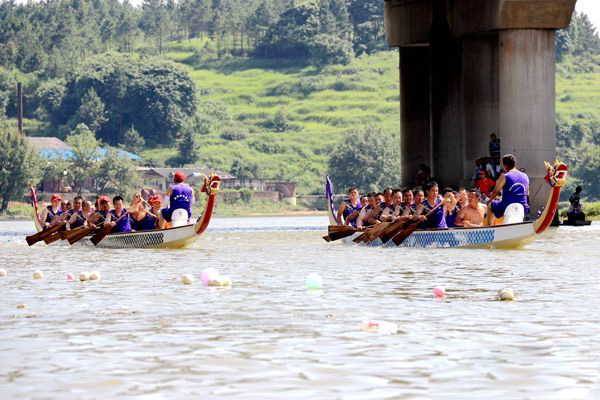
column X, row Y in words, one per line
column 473, row 214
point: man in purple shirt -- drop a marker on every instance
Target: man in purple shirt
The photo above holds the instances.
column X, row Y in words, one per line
column 180, row 195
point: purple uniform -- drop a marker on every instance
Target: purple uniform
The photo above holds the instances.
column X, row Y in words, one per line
column 349, row 210
column 438, row 218
column 52, row 214
column 181, row 197
column 79, row 221
column 145, row 224
column 451, row 217
column 514, row 191
column 124, row 224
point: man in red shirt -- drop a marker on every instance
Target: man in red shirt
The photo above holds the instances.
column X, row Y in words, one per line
column 485, row 184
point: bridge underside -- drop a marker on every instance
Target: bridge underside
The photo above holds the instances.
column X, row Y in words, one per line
column 469, row 68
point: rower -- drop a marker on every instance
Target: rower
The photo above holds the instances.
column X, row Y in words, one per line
column 451, row 207
column 514, row 186
column 145, row 220
column 437, row 219
column 52, row 214
column 181, row 196
column 392, row 210
column 368, row 212
column 79, row 214
column 349, row 209
column 473, row 214
column 120, row 219
column 101, row 216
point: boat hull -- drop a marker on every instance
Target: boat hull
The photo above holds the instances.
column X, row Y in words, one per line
column 509, row 236
column 173, row 238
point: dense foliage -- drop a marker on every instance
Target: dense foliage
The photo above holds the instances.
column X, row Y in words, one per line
column 19, row 166
column 365, row 159
column 112, row 93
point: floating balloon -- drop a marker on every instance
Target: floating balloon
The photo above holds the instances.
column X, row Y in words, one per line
column 70, row 276
column 37, row 274
column 439, row 292
column 382, row 327
column 84, row 276
column 187, row 279
column 506, row 294
column 21, row 306
column 209, row 274
column 314, row 281
column 2, row 271
column 94, row 275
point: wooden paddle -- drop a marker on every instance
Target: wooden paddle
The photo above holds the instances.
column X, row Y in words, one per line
column 105, row 230
column 33, row 239
column 52, row 238
column 401, row 237
column 80, row 235
column 371, row 233
column 337, row 232
column 65, row 235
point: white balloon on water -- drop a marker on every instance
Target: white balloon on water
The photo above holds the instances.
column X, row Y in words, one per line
column 187, row 279
column 37, row 274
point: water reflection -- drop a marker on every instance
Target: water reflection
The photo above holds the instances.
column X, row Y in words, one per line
column 139, row 332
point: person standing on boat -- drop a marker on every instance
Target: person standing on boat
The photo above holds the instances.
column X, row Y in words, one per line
column 120, row 218
column 52, row 214
column 350, row 207
column 514, row 186
column 101, row 216
column 180, row 195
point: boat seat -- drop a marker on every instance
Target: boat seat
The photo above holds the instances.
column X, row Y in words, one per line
column 179, row 217
column 514, row 213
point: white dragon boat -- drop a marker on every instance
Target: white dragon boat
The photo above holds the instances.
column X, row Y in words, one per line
column 173, row 238
column 507, row 236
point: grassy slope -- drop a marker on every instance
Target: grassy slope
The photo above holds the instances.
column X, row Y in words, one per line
column 578, row 94
column 338, row 98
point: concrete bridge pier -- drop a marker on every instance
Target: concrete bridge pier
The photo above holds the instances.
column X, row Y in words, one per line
column 469, row 68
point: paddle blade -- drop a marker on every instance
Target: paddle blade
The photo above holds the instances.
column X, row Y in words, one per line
column 375, row 231
column 342, row 234
column 52, row 238
column 66, row 235
column 327, row 238
column 401, row 237
column 80, row 235
column 33, row 239
column 360, row 238
column 391, row 231
column 98, row 236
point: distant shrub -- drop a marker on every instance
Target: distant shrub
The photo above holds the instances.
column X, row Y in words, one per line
column 279, row 122
column 236, row 135
column 330, row 49
column 303, row 87
column 230, row 196
column 267, row 147
column 566, row 98
column 246, row 195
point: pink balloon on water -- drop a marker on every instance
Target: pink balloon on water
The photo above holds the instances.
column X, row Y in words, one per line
column 439, row 292
column 70, row 276
column 209, row 274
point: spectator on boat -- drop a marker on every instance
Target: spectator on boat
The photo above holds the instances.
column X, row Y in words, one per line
column 102, row 214
column 576, row 196
column 478, row 167
column 494, row 146
column 575, row 212
column 514, row 186
column 120, row 218
column 80, row 216
column 180, row 196
column 473, row 214
column 497, row 168
column 461, row 196
column 451, row 207
column 485, row 184
column 349, row 207
column 52, row 214
column 438, row 218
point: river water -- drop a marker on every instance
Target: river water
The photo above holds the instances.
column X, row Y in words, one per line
column 139, row 332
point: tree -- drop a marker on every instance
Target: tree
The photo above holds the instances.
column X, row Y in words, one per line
column 365, row 159
column 189, row 151
column 117, row 174
column 83, row 160
column 133, row 141
column 91, row 112
column 7, row 86
column 588, row 170
column 245, row 169
column 19, row 166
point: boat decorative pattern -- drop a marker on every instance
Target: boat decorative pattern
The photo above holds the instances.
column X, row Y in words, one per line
column 444, row 239
column 130, row 241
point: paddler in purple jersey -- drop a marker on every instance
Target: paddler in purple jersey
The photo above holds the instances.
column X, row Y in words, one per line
column 120, row 219
column 437, row 220
column 102, row 215
column 349, row 209
column 52, row 214
column 180, row 196
column 514, row 185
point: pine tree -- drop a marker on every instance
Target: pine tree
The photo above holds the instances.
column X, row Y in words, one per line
column 92, row 111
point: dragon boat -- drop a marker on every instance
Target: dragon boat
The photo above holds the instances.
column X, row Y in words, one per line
column 173, row 238
column 507, row 236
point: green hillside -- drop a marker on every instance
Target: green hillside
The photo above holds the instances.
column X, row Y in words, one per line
column 318, row 105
